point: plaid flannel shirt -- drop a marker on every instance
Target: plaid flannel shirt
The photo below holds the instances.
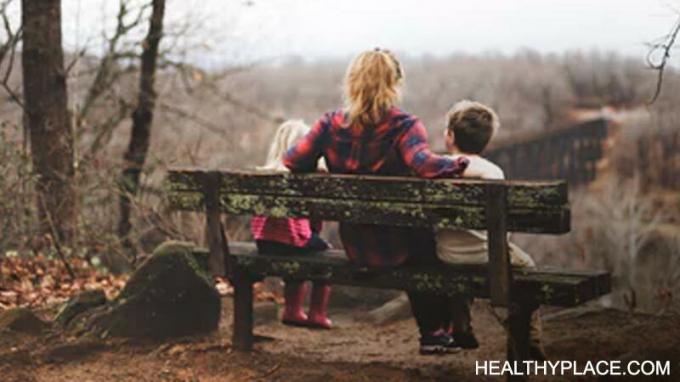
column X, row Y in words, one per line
column 396, row 146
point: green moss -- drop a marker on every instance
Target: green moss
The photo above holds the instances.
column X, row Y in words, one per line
column 459, row 285
column 547, row 292
column 424, row 282
column 465, row 217
column 532, row 197
column 186, row 200
column 279, row 212
column 238, row 202
column 170, row 255
column 244, row 261
column 286, row 267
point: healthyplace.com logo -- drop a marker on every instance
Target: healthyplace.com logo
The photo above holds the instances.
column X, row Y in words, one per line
column 573, row 368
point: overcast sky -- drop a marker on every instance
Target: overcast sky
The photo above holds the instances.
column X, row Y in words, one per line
column 245, row 29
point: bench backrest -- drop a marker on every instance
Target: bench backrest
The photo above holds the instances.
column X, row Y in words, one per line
column 496, row 206
column 531, row 206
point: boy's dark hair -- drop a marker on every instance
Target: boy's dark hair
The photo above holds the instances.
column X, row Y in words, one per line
column 472, row 125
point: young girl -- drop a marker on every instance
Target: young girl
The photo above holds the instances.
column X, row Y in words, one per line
column 290, row 236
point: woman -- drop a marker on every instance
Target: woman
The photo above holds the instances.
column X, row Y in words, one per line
column 371, row 135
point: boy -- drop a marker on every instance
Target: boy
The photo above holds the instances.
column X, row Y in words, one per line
column 470, row 127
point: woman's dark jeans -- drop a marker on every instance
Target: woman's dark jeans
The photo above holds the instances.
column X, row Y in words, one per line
column 432, row 312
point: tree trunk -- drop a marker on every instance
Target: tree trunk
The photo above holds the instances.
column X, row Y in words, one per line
column 135, row 156
column 47, row 119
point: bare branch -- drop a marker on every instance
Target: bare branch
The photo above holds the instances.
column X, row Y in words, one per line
column 104, row 130
column 252, row 109
column 9, row 47
column 106, row 73
column 179, row 112
column 665, row 47
column 80, row 54
column 8, row 71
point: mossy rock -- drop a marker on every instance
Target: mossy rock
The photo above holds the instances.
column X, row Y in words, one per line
column 79, row 304
column 170, row 295
column 22, row 320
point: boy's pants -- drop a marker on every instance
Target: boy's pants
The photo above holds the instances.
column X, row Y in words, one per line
column 460, row 305
column 439, row 312
column 433, row 312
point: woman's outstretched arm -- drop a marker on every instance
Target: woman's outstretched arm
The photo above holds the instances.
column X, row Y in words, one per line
column 304, row 156
column 416, row 153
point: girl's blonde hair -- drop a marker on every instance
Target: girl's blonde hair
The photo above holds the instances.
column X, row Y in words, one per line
column 287, row 134
column 372, row 85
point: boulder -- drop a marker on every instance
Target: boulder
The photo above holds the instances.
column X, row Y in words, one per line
column 22, row 320
column 78, row 304
column 394, row 310
column 170, row 295
column 353, row 297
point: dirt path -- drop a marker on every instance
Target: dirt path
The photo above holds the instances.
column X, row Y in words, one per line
column 353, row 351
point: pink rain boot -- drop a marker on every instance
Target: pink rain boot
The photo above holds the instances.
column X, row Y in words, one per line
column 294, row 294
column 318, row 307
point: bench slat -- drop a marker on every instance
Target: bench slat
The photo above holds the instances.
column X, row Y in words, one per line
column 534, row 194
column 550, row 286
column 544, row 220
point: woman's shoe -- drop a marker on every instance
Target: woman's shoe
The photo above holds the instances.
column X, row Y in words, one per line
column 318, row 308
column 294, row 294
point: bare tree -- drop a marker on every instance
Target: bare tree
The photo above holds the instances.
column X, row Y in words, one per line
column 623, row 224
column 142, row 117
column 46, row 117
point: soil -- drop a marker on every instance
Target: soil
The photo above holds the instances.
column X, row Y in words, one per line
column 353, row 351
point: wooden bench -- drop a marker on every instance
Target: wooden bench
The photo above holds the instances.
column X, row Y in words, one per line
column 539, row 207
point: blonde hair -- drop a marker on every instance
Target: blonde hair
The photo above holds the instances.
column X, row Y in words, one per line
column 472, row 124
column 287, row 134
column 372, row 85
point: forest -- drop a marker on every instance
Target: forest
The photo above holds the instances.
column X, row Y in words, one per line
column 89, row 132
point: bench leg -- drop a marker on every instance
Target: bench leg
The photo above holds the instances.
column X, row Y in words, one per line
column 242, row 339
column 519, row 338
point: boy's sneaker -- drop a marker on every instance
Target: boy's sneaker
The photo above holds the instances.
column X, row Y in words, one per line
column 465, row 340
column 438, row 342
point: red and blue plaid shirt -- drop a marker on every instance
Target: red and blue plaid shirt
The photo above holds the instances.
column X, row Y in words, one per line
column 397, row 146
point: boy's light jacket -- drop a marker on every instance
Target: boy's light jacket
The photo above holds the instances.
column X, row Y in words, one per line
column 459, row 246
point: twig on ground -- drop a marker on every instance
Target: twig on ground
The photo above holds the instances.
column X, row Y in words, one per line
column 57, row 244
column 271, row 371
